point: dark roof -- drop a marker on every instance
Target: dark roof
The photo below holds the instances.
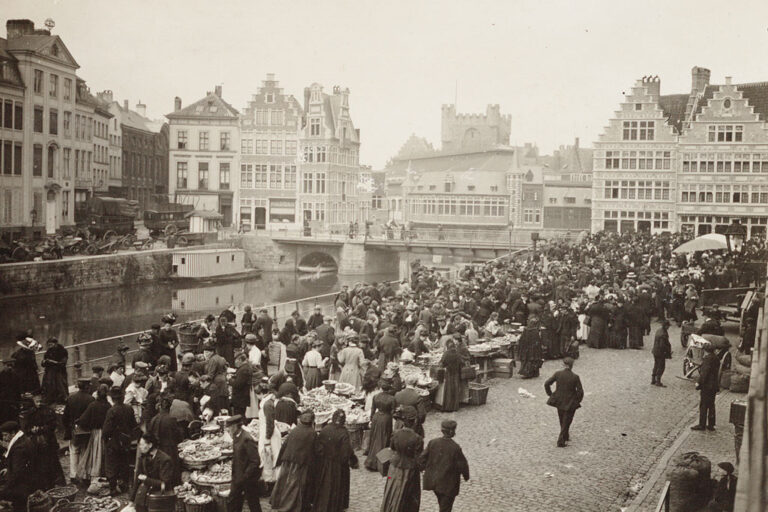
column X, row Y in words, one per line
column 7, row 59
column 210, row 107
column 674, row 106
column 37, row 42
column 756, row 94
column 491, row 160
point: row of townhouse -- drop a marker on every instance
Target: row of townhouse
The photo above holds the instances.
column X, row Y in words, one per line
column 692, row 162
column 277, row 165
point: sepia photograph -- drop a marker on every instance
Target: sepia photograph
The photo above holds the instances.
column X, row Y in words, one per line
column 403, row 256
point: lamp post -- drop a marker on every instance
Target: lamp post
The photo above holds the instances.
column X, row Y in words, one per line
column 735, row 236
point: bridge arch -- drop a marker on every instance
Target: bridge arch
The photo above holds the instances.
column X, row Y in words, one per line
column 318, row 259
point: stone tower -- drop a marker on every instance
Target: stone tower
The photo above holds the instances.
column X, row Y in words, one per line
column 474, row 132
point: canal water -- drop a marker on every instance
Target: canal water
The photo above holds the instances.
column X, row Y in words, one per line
column 80, row 316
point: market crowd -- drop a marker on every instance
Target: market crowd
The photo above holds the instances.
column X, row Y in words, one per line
column 602, row 291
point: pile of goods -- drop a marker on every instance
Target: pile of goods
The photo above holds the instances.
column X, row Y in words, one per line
column 198, row 453
column 90, row 504
column 492, row 345
column 216, row 474
column 188, row 493
column 323, row 404
column 65, row 492
column 253, row 428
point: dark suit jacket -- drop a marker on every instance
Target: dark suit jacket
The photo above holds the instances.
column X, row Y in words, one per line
column 326, row 333
column 158, row 469
column 709, row 374
column 245, row 460
column 241, row 386
column 20, row 479
column 443, row 463
column 568, row 392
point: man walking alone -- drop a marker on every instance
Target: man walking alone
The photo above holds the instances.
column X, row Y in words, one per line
column 709, row 386
column 566, row 398
column 662, row 350
column 443, row 463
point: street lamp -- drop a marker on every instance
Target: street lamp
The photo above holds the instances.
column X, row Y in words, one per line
column 735, row 236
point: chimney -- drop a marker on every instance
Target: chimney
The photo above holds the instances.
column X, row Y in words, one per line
column 576, row 143
column 125, row 105
column 652, row 84
column 176, row 104
column 699, row 79
column 18, row 28
column 270, row 77
column 141, row 109
column 307, row 94
column 218, row 91
column 105, row 96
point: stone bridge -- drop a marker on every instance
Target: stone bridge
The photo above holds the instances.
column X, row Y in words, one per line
column 288, row 252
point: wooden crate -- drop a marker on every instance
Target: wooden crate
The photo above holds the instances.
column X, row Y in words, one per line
column 503, row 364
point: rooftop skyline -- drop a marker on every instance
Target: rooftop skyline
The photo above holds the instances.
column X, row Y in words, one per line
column 559, row 69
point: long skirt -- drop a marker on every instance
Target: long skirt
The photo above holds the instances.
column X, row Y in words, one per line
column 92, row 460
column 635, row 336
column 313, row 378
column 530, row 368
column 582, row 333
column 402, row 492
column 451, row 391
column 380, row 435
column 55, row 386
column 291, row 492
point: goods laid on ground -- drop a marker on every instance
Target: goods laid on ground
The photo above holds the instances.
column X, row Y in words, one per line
column 190, row 494
column 89, row 504
column 689, row 482
column 407, row 370
column 744, row 359
column 739, row 383
column 39, row 501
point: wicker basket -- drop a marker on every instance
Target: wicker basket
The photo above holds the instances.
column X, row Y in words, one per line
column 66, row 492
column 197, row 507
column 198, row 464
column 478, row 393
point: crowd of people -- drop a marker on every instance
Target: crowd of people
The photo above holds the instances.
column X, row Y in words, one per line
column 602, row 291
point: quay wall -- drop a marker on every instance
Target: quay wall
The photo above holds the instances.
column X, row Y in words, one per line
column 80, row 273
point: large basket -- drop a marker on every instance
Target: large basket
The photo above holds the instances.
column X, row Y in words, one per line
column 197, row 507
column 198, row 464
column 66, row 492
column 478, row 393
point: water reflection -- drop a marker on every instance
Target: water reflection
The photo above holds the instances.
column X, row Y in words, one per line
column 80, row 316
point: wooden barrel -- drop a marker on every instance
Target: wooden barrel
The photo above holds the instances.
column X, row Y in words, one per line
column 161, row 502
column 188, row 339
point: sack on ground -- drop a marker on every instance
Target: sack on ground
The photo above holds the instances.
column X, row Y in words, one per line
column 745, row 359
column 739, row 383
column 741, row 369
column 725, row 379
column 690, row 484
column 717, row 341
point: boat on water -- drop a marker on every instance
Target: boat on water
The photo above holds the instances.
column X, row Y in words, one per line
column 318, row 269
column 211, row 265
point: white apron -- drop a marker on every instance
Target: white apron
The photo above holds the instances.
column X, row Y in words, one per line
column 268, row 453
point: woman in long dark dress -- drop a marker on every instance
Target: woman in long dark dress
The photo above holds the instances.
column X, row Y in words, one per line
column 635, row 324
column 550, row 346
column 55, row 389
column 617, row 328
column 335, row 454
column 598, row 328
column 529, row 349
column 452, row 379
column 25, row 365
column 381, row 424
column 402, row 492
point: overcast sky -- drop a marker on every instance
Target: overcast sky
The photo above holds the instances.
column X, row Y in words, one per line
column 558, row 67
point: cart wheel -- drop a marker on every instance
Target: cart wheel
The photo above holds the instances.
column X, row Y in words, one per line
column 20, row 254
column 170, row 229
column 147, row 244
column 109, row 234
column 92, row 249
column 182, row 241
column 128, row 241
column 725, row 362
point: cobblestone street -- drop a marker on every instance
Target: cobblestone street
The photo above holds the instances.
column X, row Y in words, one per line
column 622, row 429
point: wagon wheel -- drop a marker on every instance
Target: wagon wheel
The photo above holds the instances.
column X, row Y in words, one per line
column 108, row 235
column 147, row 244
column 688, row 368
column 128, row 241
column 20, row 254
column 725, row 363
column 182, row 241
column 91, row 249
column 170, row 229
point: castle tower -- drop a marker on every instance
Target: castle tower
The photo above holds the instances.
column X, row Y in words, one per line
column 474, row 132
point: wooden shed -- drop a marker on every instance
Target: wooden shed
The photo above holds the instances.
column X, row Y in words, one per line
column 204, row 221
column 207, row 263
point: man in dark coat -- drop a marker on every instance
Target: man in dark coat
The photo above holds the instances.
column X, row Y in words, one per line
column 55, row 388
column 245, row 468
column 182, row 387
column 153, row 470
column 20, row 458
column 316, row 319
column 241, row 386
column 263, row 326
column 443, row 463
column 227, row 338
column 709, row 385
column 118, row 432
column 74, row 407
column 566, row 398
column 662, row 350
column 168, row 434
column 389, row 348
column 299, row 323
column 326, row 332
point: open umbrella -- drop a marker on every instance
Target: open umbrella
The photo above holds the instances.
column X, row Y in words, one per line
column 710, row 242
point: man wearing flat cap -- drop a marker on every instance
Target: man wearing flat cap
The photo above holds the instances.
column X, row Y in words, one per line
column 708, row 385
column 443, row 463
column 566, row 398
column 245, row 468
column 74, row 407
